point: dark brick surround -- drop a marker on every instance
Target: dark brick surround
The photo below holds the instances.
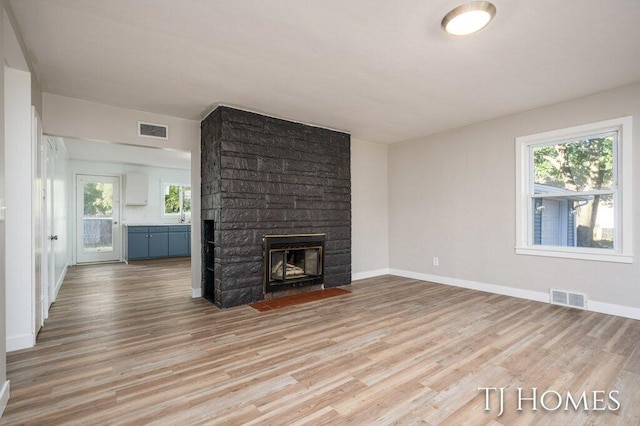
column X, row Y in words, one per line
column 262, row 175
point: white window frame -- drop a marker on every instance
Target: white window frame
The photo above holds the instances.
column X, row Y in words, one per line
column 162, row 202
column 623, row 178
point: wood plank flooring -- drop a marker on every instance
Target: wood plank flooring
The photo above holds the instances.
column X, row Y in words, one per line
column 126, row 344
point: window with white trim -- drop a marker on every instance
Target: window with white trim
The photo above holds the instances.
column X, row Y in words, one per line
column 177, row 200
column 574, row 192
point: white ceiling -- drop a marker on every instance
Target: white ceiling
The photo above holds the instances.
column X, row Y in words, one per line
column 126, row 154
column 382, row 70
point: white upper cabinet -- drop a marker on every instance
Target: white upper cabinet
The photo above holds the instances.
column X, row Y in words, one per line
column 136, row 191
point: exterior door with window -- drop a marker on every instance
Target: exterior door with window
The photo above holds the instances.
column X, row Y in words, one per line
column 97, row 220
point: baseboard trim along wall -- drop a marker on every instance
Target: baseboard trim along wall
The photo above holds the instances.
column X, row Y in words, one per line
column 474, row 285
column 196, row 292
column 592, row 305
column 369, row 274
column 59, row 283
column 24, row 341
column 4, row 397
column 611, row 309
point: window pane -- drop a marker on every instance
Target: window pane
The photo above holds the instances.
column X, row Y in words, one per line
column 574, row 221
column 171, row 199
column 186, row 199
column 97, row 220
column 98, row 199
column 311, row 262
column 579, row 165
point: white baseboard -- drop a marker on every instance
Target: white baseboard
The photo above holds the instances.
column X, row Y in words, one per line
column 4, row 397
column 196, row 292
column 369, row 274
column 611, row 309
column 24, row 341
column 59, row 283
column 474, row 285
column 592, row 305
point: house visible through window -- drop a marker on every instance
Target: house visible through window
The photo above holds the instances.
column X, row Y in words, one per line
column 574, row 192
column 177, row 199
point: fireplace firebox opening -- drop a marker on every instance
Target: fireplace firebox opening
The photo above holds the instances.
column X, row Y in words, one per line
column 293, row 261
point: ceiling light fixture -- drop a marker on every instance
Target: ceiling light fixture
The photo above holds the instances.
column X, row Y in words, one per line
column 468, row 18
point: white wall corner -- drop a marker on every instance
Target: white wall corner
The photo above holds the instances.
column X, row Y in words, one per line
column 592, row 305
column 23, row 341
column 196, row 292
column 4, row 397
column 369, row 274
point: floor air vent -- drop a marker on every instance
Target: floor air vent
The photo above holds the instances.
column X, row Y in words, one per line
column 567, row 298
column 157, row 131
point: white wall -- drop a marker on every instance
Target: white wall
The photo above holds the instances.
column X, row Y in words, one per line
column 19, row 266
column 452, row 195
column 75, row 118
column 369, row 209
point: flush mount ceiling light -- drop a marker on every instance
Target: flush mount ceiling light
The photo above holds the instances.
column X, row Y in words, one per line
column 468, row 18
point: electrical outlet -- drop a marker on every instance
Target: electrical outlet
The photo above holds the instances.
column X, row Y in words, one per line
column 436, row 261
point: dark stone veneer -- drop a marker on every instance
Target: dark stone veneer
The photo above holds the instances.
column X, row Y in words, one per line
column 263, row 175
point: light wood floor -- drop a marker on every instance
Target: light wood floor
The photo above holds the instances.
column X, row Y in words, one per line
column 128, row 344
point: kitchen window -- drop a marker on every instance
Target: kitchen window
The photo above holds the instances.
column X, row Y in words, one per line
column 574, row 192
column 177, row 200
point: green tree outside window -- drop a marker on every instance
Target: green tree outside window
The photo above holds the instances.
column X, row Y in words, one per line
column 98, row 199
column 177, row 199
column 576, row 166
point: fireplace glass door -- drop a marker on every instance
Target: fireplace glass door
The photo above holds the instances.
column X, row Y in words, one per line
column 292, row 261
column 295, row 263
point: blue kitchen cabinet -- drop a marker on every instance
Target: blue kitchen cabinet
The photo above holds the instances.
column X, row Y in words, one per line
column 137, row 242
column 158, row 241
column 148, row 242
column 179, row 240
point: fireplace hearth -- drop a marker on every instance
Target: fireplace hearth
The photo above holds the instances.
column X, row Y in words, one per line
column 293, row 261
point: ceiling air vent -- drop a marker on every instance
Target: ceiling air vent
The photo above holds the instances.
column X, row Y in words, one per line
column 156, row 131
column 566, row 298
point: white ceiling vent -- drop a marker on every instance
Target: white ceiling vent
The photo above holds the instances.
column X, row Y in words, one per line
column 156, row 131
column 567, row 298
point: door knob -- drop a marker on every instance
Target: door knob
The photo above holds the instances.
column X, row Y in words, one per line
column 53, row 237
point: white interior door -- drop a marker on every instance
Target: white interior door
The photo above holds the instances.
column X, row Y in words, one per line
column 38, row 222
column 51, row 235
column 97, row 219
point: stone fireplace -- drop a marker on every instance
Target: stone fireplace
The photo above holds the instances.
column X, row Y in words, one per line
column 267, row 180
